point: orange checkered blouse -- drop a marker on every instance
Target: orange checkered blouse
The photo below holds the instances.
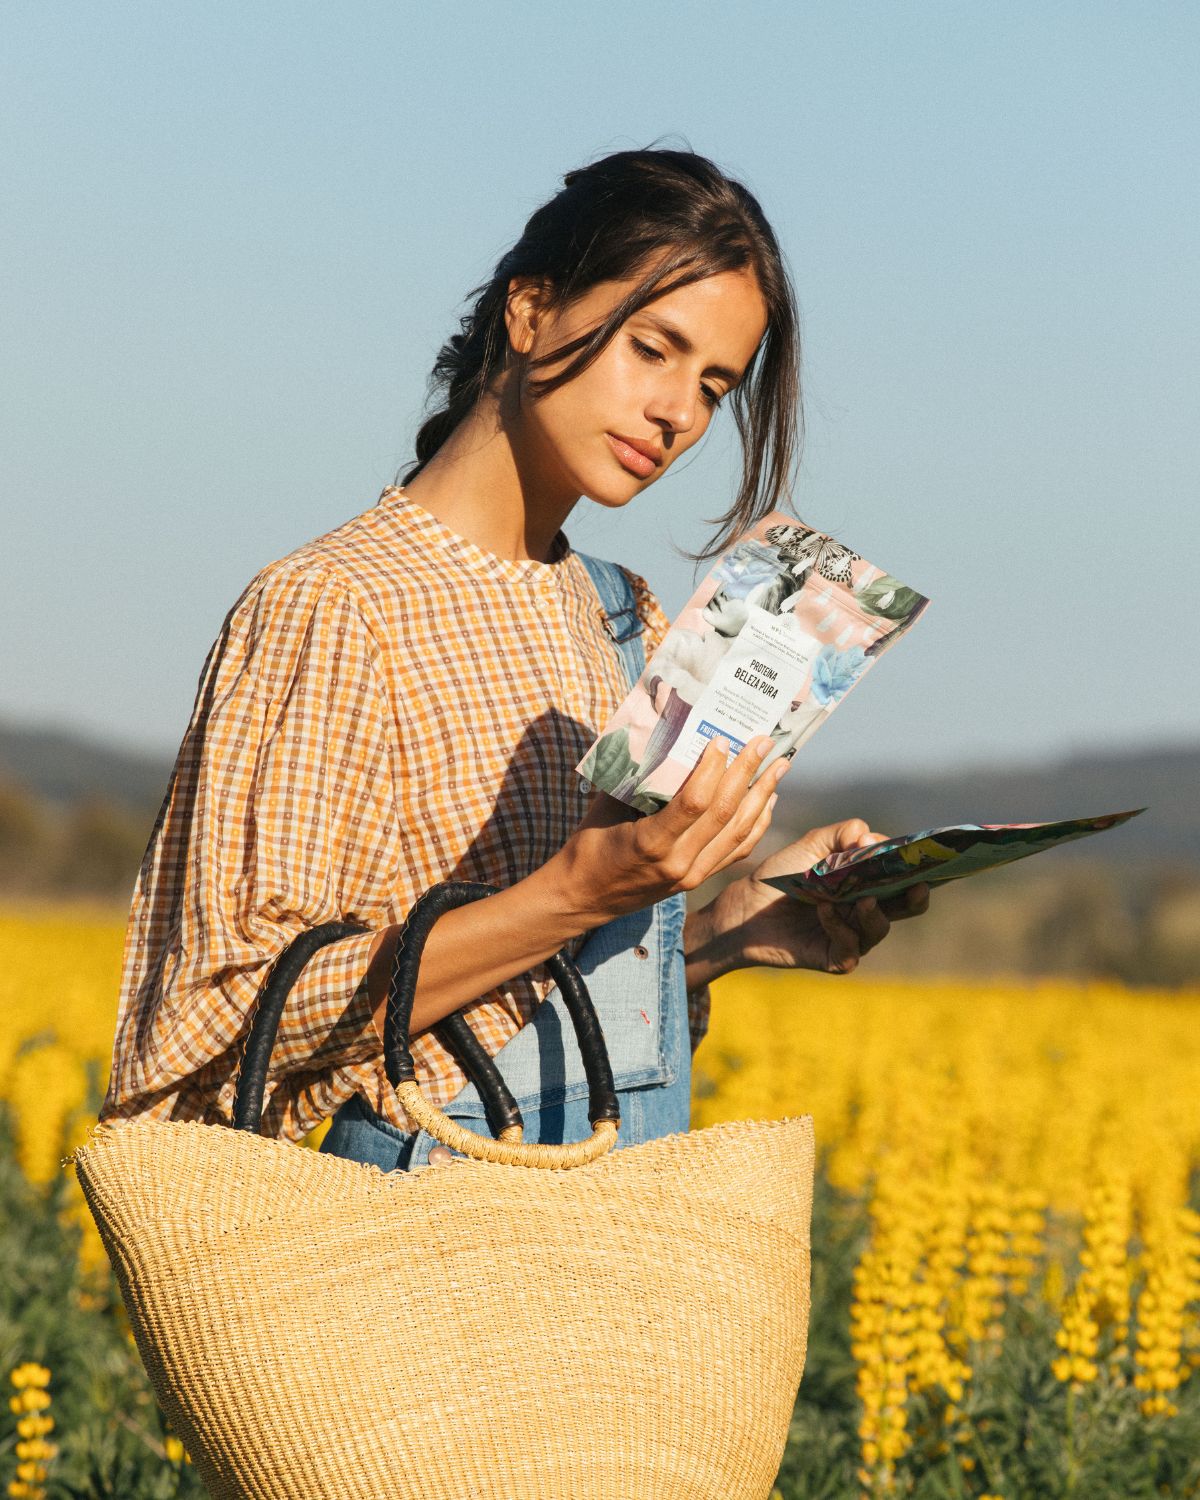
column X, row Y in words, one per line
column 386, row 707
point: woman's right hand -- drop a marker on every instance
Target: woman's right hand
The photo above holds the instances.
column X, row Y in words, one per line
column 617, row 861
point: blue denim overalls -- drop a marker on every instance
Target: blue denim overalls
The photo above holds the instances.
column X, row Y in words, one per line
column 634, row 970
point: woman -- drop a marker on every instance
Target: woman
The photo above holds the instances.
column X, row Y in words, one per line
column 403, row 700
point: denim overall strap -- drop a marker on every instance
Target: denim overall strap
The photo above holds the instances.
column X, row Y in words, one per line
column 622, row 621
column 634, row 969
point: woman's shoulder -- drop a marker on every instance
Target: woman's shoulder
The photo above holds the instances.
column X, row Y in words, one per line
column 360, row 563
column 643, row 594
column 651, row 613
column 645, row 601
column 284, row 595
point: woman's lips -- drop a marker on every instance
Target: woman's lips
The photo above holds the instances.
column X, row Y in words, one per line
column 637, row 463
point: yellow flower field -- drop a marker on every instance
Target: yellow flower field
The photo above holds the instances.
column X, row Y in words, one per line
column 1009, row 1144
column 967, row 1113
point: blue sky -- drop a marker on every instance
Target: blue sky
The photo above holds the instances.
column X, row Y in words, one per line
column 234, row 236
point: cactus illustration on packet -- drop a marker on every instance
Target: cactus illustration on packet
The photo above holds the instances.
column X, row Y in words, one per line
column 779, row 631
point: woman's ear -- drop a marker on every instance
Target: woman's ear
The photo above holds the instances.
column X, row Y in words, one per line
column 524, row 307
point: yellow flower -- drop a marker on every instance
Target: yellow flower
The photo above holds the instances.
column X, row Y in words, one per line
column 1172, row 1260
column 29, row 1400
column 33, row 1452
column 37, row 1448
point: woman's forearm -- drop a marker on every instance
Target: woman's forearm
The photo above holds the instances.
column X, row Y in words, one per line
column 613, row 863
column 708, row 952
column 474, row 948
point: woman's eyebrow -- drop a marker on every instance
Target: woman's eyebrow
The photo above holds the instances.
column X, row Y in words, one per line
column 685, row 346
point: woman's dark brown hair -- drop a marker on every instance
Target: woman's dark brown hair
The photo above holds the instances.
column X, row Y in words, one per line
column 675, row 217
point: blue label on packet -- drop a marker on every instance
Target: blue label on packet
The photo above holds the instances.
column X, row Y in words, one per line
column 708, row 731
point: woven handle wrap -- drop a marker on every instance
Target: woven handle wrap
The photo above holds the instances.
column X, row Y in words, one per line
column 604, row 1111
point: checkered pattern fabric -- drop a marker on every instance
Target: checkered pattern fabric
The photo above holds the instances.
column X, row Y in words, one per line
column 386, row 707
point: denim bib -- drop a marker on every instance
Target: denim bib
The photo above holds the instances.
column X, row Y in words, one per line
column 634, row 970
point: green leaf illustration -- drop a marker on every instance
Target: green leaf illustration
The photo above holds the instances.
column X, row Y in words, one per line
column 609, row 762
column 889, row 598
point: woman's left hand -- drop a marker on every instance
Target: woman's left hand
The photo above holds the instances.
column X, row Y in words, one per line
column 751, row 923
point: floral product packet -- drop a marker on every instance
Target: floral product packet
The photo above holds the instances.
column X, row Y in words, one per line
column 779, row 631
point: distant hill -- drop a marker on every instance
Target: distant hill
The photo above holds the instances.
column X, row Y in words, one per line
column 65, row 767
column 1165, row 781
column 75, row 816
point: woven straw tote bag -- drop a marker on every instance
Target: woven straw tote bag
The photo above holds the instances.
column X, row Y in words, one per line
column 316, row 1329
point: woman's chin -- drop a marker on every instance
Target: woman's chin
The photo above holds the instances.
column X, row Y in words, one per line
column 612, row 492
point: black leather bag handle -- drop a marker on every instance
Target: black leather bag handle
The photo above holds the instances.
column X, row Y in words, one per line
column 439, row 899
column 453, row 1032
column 266, row 1014
column 501, row 1108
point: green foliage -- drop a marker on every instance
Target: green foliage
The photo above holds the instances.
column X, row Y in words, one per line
column 822, row 1451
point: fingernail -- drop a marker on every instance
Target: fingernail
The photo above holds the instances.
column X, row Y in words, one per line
column 762, row 748
column 721, row 741
column 779, row 769
column 774, row 798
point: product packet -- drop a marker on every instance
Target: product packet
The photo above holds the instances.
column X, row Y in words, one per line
column 934, row 856
column 780, row 630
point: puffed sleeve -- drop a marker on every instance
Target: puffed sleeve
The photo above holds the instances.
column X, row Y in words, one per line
column 280, row 815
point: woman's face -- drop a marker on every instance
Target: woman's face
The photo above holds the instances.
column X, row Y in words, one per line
column 654, row 388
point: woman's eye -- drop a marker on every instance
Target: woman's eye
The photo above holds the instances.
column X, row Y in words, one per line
column 647, row 351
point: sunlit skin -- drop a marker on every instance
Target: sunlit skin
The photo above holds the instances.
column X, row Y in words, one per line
column 507, row 478
column 534, row 459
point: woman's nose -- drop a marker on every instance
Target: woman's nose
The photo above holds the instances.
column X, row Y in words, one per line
column 674, row 410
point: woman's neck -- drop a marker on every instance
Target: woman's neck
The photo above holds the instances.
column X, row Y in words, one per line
column 484, row 485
